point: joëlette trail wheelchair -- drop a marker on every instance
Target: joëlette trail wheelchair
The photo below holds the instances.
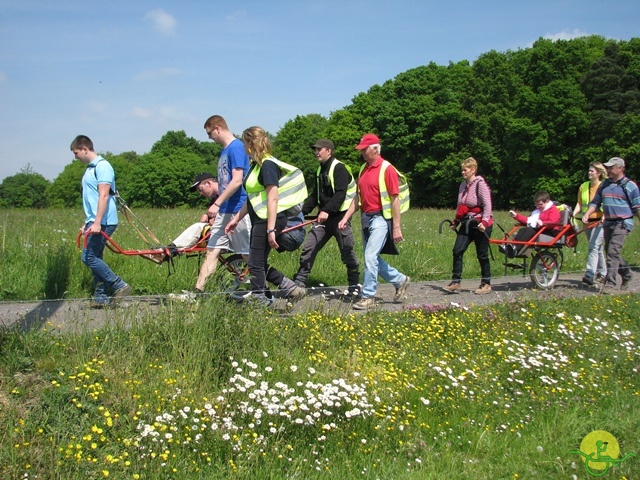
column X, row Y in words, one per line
column 542, row 255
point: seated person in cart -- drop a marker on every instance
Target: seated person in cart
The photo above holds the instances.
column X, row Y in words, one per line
column 546, row 213
column 194, row 233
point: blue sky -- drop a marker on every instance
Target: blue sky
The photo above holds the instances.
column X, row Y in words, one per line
column 126, row 72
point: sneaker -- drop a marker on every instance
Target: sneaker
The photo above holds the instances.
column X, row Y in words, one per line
column 365, row 303
column 291, row 290
column 186, row 296
column 121, row 292
column 259, row 299
column 99, row 304
column 625, row 284
column 401, row 291
column 453, row 287
column 587, row 281
column 600, row 278
column 296, row 293
column 483, row 289
column 353, row 290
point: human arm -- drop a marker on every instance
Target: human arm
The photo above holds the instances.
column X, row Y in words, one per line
column 233, row 223
column 395, row 216
column 272, row 213
column 237, row 175
column 518, row 217
column 103, row 203
column 484, row 200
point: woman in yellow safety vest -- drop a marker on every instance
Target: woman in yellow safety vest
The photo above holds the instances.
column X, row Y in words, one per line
column 596, row 263
column 274, row 190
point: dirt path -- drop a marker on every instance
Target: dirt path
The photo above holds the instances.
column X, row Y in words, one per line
column 74, row 315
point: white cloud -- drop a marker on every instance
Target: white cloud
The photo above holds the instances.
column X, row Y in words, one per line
column 566, row 35
column 140, row 112
column 162, row 21
column 150, row 75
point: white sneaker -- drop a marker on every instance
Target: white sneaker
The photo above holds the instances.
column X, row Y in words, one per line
column 186, row 296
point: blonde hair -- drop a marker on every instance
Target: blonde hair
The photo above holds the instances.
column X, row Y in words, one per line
column 470, row 163
column 599, row 167
column 256, row 143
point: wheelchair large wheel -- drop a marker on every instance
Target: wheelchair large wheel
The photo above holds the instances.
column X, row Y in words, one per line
column 545, row 269
column 234, row 272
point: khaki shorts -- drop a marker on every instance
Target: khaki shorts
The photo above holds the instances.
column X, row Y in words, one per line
column 237, row 242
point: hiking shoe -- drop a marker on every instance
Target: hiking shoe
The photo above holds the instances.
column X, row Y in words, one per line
column 600, row 278
column 453, row 287
column 258, row 299
column 365, row 303
column 483, row 289
column 588, row 281
column 291, row 290
column 401, row 291
column 121, row 292
column 625, row 284
column 99, row 304
column 296, row 293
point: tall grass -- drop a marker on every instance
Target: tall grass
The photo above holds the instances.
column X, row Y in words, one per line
column 214, row 390
column 39, row 259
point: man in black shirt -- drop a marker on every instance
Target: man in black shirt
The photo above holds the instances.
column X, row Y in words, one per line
column 332, row 194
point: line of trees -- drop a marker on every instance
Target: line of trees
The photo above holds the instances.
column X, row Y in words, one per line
column 533, row 118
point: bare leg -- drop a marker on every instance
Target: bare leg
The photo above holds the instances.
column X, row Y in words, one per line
column 208, row 267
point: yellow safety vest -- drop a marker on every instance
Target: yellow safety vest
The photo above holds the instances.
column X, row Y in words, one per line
column 351, row 189
column 385, row 198
column 292, row 190
column 585, row 198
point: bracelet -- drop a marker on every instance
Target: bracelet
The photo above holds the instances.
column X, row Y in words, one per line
column 271, row 230
column 216, row 204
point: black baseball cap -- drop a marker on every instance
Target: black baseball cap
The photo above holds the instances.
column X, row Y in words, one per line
column 201, row 177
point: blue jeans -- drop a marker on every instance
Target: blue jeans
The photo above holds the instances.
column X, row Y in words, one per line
column 105, row 282
column 596, row 262
column 374, row 265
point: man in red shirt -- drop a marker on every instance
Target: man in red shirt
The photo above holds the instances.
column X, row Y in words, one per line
column 379, row 196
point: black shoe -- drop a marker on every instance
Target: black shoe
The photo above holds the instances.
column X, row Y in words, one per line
column 588, row 281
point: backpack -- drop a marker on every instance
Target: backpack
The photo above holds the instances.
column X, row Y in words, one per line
column 291, row 240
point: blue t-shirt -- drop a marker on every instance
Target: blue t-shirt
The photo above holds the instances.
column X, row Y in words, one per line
column 232, row 157
column 99, row 171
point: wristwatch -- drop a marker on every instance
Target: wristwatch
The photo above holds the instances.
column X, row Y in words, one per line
column 271, row 230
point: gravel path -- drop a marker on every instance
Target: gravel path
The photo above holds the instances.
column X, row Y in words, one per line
column 74, row 315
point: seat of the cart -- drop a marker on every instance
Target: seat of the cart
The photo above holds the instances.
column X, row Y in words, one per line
column 544, row 249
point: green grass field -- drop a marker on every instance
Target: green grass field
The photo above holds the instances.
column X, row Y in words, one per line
column 40, row 259
column 214, row 390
